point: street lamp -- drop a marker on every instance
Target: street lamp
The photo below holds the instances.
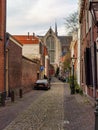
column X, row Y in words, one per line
column 72, row 85
column 94, row 12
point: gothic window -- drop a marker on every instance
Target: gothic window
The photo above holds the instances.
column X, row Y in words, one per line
column 50, row 42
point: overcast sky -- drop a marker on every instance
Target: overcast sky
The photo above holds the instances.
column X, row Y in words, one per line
column 37, row 16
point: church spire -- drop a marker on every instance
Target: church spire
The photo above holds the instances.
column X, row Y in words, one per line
column 56, row 29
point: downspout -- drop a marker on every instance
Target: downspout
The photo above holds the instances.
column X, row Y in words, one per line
column 5, row 49
column 80, row 40
column 92, row 57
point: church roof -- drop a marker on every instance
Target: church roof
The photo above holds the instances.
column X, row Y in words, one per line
column 65, row 40
column 50, row 31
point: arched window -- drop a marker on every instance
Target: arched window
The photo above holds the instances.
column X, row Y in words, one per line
column 50, row 42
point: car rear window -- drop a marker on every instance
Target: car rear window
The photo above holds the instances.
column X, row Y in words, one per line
column 42, row 81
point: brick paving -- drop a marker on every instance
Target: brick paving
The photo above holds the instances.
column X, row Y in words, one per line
column 56, row 109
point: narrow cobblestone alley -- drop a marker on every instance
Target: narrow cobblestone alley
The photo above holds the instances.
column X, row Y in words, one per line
column 56, row 109
column 45, row 113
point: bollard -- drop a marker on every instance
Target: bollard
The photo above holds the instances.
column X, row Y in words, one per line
column 3, row 99
column 96, row 115
column 72, row 89
column 12, row 96
column 20, row 93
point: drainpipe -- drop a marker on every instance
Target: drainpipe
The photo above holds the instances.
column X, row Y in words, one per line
column 92, row 57
column 5, row 49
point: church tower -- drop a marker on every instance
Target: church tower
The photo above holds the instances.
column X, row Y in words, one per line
column 2, row 43
column 56, row 33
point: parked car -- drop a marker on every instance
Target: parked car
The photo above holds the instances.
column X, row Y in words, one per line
column 42, row 84
column 62, row 78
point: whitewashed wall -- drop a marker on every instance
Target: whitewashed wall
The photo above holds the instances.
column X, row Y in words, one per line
column 31, row 51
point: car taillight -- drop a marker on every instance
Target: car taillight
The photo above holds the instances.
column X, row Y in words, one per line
column 46, row 85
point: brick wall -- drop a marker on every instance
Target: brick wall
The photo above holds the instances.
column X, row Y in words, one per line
column 2, row 35
column 14, row 66
column 1, row 67
column 29, row 73
column 88, row 62
column 22, row 72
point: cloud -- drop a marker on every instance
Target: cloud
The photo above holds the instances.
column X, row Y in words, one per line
column 28, row 15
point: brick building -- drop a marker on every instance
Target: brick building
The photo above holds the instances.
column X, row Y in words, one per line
column 2, row 43
column 88, row 35
column 30, row 73
column 33, row 48
column 13, row 65
column 21, row 72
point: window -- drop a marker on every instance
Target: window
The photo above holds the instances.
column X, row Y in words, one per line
column 40, row 48
column 50, row 42
column 88, row 66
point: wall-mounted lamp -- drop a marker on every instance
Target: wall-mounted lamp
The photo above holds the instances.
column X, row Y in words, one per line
column 72, row 85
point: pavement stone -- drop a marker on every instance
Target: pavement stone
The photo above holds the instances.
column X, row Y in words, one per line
column 46, row 113
column 56, row 109
column 11, row 110
column 79, row 112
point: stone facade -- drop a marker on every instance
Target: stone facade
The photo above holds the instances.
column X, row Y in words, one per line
column 57, row 47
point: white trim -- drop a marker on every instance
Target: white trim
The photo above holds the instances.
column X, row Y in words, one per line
column 13, row 40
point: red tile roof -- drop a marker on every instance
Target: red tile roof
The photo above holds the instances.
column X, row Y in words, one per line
column 25, row 39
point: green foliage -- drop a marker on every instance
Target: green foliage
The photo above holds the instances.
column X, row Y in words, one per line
column 78, row 89
column 67, row 61
column 71, row 80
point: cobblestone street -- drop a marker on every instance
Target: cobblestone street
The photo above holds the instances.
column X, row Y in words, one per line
column 56, row 109
column 46, row 113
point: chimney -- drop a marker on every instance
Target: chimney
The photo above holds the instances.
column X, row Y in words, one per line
column 28, row 36
column 33, row 38
column 33, row 34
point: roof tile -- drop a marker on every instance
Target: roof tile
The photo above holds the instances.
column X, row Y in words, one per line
column 25, row 39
